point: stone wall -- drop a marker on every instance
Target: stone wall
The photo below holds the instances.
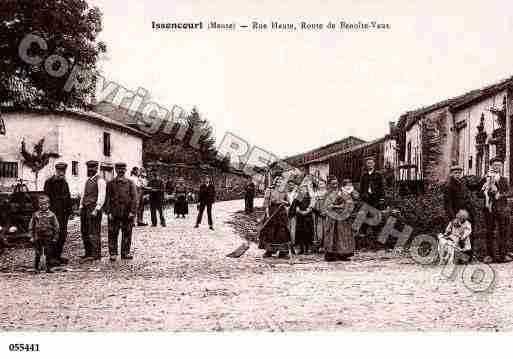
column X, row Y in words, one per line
column 229, row 185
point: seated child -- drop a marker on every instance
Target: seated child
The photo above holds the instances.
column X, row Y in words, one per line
column 456, row 239
column 44, row 228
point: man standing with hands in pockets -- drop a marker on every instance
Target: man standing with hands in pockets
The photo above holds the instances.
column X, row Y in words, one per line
column 121, row 207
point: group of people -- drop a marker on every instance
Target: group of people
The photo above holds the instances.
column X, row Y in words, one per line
column 320, row 220
column 314, row 221
column 121, row 200
column 495, row 216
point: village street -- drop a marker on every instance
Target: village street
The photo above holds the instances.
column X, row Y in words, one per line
column 181, row 280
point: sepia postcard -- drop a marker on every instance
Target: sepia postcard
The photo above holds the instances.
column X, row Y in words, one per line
column 195, row 177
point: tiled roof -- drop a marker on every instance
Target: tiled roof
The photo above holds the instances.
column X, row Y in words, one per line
column 20, row 96
column 457, row 102
column 350, row 149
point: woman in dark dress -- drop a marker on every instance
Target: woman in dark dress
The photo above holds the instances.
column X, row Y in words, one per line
column 181, row 203
column 304, row 220
column 275, row 235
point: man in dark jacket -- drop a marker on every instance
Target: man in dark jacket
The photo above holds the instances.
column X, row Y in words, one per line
column 249, row 196
column 495, row 190
column 58, row 192
column 372, row 191
column 207, row 197
column 91, row 205
column 157, row 191
column 457, row 197
column 121, row 207
column 372, row 185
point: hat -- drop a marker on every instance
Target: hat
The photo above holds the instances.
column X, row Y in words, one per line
column 120, row 166
column 456, row 168
column 346, row 181
column 61, row 166
column 497, row 159
column 92, row 164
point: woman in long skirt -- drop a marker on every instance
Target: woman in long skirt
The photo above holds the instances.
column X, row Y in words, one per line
column 291, row 197
column 304, row 221
column 319, row 218
column 181, row 203
column 275, row 235
column 339, row 243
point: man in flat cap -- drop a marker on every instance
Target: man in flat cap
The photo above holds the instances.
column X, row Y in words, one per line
column 457, row 197
column 495, row 190
column 57, row 189
column 91, row 206
column 121, row 207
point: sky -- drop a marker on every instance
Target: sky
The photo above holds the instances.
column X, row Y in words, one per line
column 288, row 92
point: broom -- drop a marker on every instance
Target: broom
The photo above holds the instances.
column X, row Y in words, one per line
column 243, row 248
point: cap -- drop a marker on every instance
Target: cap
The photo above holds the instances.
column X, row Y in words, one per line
column 61, row 166
column 92, row 164
column 120, row 166
column 497, row 159
column 456, row 168
column 346, row 181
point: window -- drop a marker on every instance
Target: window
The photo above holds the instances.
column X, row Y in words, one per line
column 106, row 144
column 74, row 168
column 8, row 170
column 2, row 125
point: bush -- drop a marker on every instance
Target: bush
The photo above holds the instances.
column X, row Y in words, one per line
column 426, row 213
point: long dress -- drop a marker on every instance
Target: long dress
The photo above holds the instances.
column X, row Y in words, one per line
column 319, row 220
column 292, row 215
column 275, row 235
column 339, row 241
column 304, row 223
column 181, row 204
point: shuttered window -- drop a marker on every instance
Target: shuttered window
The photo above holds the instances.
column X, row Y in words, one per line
column 8, row 170
column 106, row 144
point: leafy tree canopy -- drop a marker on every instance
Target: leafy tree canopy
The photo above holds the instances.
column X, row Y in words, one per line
column 70, row 29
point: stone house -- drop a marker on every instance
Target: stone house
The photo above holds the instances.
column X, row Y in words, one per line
column 76, row 136
column 467, row 130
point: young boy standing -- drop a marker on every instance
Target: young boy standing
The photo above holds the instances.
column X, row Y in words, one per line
column 44, row 228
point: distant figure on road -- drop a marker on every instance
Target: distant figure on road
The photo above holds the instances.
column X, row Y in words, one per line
column 157, row 191
column 249, row 196
column 121, row 205
column 207, row 197
column 181, row 202
column 57, row 189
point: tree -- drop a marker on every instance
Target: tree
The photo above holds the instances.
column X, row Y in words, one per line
column 70, row 29
column 195, row 146
column 37, row 160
